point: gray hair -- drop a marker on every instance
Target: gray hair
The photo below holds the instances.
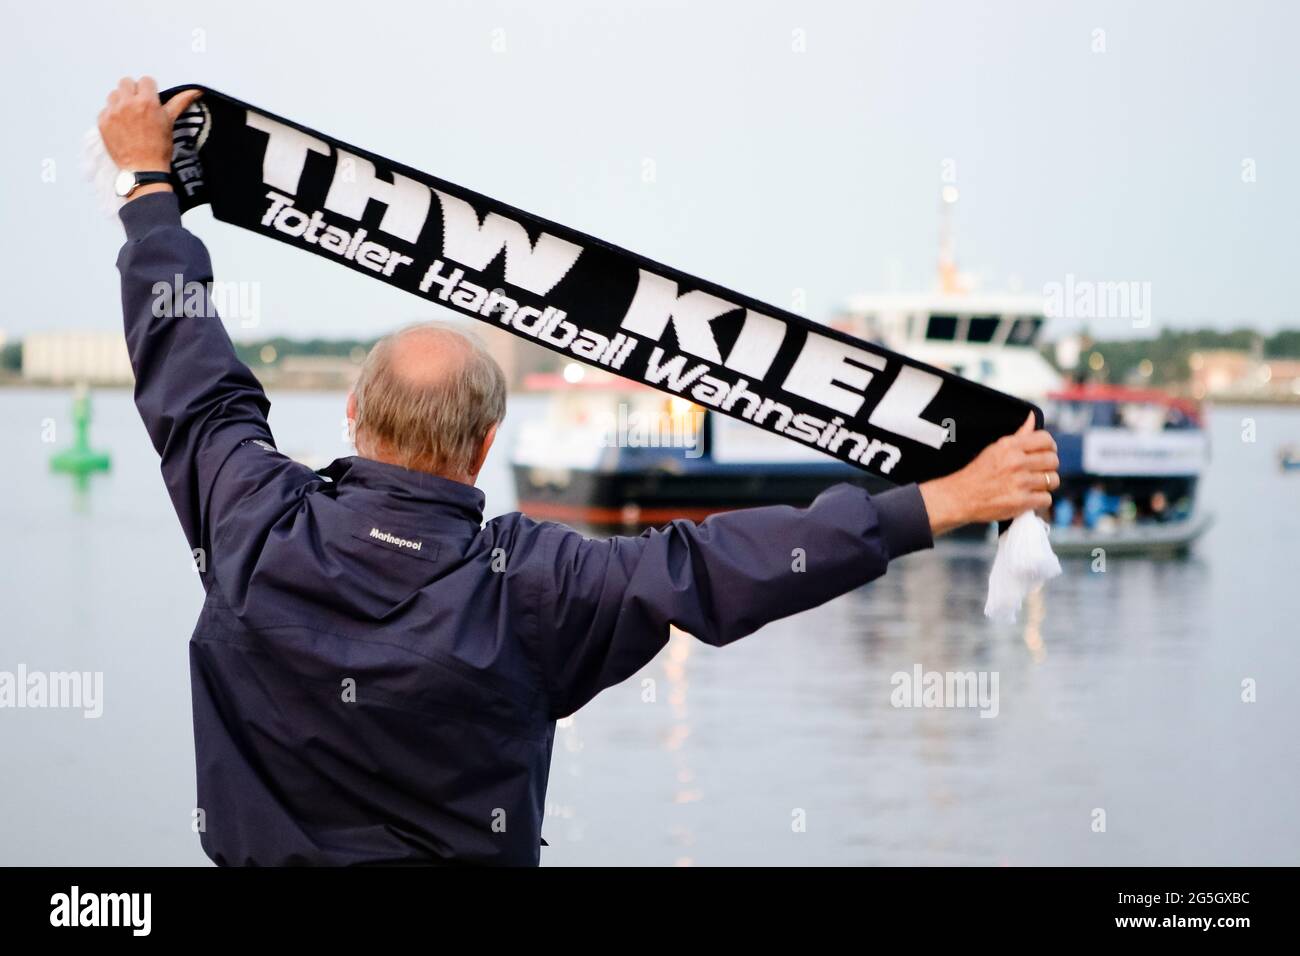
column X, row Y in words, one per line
column 436, row 425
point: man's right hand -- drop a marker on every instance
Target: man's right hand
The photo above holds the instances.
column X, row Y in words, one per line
column 137, row 128
column 1017, row 473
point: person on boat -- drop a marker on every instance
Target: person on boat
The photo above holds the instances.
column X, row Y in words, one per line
column 1100, row 509
column 376, row 672
column 1063, row 512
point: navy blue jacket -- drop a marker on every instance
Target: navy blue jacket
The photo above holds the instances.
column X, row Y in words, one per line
column 377, row 673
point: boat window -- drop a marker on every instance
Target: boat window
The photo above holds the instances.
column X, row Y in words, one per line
column 982, row 328
column 1024, row 331
column 942, row 328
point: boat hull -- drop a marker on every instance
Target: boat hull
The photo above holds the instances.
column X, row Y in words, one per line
column 652, row 497
column 1172, row 539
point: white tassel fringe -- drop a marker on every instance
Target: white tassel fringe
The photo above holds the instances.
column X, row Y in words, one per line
column 1024, row 562
column 101, row 172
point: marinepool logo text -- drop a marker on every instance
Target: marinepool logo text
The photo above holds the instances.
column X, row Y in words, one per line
column 394, row 539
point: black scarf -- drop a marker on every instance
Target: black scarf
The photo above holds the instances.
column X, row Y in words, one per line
column 582, row 297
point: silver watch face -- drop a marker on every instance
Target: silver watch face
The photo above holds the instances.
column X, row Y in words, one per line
column 124, row 183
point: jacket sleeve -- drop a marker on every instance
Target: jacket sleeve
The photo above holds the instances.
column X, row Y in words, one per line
column 606, row 605
column 204, row 410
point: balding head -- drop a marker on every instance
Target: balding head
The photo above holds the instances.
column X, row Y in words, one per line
column 429, row 398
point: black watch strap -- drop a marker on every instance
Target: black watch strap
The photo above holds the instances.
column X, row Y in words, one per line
column 145, row 179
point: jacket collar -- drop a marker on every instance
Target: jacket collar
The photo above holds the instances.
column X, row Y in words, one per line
column 415, row 494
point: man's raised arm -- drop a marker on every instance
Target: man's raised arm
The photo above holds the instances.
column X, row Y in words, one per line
column 198, row 401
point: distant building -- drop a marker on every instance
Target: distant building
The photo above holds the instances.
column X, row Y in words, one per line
column 1227, row 374
column 66, row 358
column 311, row 371
column 100, row 358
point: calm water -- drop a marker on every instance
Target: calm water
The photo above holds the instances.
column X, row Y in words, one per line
column 1119, row 690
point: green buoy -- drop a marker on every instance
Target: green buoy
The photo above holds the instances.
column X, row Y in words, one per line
column 80, row 460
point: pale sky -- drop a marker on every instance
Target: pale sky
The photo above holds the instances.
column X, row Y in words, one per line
column 775, row 169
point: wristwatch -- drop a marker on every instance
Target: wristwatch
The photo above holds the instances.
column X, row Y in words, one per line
column 128, row 181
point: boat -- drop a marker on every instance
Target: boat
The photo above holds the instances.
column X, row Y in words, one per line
column 614, row 453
